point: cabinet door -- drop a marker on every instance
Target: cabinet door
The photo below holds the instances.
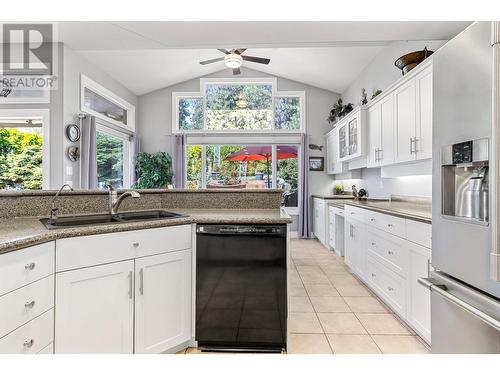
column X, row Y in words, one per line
column 348, row 243
column 374, row 130
column 343, row 145
column 419, row 300
column 359, row 245
column 163, row 301
column 424, row 114
column 386, row 155
column 95, row 309
column 353, row 129
column 331, row 152
column 405, row 100
column 315, row 218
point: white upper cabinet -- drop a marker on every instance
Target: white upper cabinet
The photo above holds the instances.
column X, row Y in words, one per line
column 374, row 135
column 423, row 136
column 413, row 109
column 386, row 154
column 333, row 166
column 351, row 135
column 163, row 301
column 405, row 102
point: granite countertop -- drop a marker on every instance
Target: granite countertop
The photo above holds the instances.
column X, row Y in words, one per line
column 16, row 233
column 405, row 209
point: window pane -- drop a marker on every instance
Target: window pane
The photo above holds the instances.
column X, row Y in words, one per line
column 190, row 113
column 288, row 174
column 193, row 167
column 287, row 113
column 244, row 107
column 110, row 157
column 20, row 157
column 239, row 166
column 105, row 107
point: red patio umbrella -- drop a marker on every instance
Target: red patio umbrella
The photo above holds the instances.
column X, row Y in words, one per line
column 252, row 153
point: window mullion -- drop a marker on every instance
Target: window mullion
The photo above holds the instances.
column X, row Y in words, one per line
column 204, row 166
column 274, row 165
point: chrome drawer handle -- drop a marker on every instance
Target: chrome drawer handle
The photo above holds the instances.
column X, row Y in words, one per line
column 374, row 244
column 390, row 252
column 374, row 275
column 390, row 225
column 390, row 289
column 372, row 219
column 28, row 343
column 135, row 244
column 29, row 267
column 29, row 305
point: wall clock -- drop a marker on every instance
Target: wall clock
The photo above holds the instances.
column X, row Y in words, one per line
column 73, row 132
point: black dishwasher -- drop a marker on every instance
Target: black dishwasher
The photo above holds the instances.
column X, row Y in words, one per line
column 241, row 297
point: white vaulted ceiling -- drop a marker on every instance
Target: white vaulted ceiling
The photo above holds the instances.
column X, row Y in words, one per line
column 145, row 56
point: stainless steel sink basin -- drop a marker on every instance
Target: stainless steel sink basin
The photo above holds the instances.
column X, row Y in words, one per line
column 101, row 219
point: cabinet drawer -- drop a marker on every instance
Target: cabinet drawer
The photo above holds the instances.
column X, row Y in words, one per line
column 354, row 212
column 26, row 303
column 419, row 232
column 388, row 249
column 388, row 223
column 21, row 267
column 31, row 337
column 72, row 253
column 388, row 285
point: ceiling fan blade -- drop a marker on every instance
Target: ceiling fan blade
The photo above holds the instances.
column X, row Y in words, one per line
column 239, row 51
column 236, row 71
column 225, row 51
column 254, row 59
column 211, row 61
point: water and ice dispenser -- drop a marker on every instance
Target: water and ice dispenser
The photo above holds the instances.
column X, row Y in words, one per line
column 465, row 180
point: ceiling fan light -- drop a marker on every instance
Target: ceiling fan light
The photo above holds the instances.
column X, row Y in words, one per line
column 233, row 60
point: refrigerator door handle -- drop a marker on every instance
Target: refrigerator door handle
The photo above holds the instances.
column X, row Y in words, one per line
column 495, row 217
column 441, row 289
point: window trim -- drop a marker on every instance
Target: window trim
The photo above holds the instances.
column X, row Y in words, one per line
column 128, row 150
column 86, row 82
column 176, row 96
column 45, row 115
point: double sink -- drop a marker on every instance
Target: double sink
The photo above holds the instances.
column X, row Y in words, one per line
column 99, row 219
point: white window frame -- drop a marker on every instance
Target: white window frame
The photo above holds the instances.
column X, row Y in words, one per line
column 176, row 96
column 128, row 151
column 87, row 83
column 45, row 115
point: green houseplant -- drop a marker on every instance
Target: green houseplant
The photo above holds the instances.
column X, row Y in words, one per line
column 153, row 170
column 339, row 110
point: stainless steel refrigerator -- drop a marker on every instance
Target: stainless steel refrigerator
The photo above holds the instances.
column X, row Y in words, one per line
column 465, row 286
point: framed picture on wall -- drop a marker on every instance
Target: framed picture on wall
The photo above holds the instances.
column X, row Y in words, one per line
column 316, row 163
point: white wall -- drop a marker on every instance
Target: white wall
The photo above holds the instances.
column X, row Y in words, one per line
column 380, row 73
column 155, row 118
column 74, row 66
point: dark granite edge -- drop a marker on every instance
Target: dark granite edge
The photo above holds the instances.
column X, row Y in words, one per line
column 331, row 197
column 34, row 193
column 400, row 214
column 55, row 234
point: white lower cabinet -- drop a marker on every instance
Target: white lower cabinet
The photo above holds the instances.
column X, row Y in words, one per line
column 419, row 301
column 355, row 246
column 382, row 250
column 320, row 223
column 95, row 309
column 163, row 301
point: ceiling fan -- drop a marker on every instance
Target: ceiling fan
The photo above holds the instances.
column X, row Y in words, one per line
column 234, row 59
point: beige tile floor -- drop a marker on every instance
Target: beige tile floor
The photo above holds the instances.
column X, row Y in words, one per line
column 331, row 311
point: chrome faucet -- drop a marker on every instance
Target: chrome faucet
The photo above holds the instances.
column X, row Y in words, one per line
column 54, row 210
column 115, row 201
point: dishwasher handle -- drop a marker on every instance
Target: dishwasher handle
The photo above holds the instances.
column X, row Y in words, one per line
column 242, row 230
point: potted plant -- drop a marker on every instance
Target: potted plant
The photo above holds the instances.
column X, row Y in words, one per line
column 339, row 110
column 339, row 188
column 153, row 170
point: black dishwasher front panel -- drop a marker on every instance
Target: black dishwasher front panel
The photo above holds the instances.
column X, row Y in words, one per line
column 241, row 295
